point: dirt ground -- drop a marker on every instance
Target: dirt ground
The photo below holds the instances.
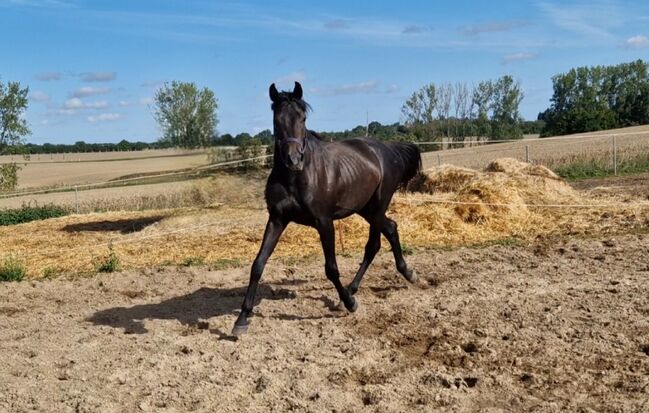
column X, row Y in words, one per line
column 551, row 326
column 636, row 185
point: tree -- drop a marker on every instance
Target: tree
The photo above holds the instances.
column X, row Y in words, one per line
column 265, row 137
column 444, row 99
column 455, row 111
column 600, row 97
column 13, row 103
column 13, row 128
column 186, row 114
column 418, row 111
column 506, row 119
column 481, row 103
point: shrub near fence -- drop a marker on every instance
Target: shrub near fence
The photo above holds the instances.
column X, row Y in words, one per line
column 31, row 213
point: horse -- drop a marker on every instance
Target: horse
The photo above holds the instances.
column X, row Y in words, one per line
column 313, row 183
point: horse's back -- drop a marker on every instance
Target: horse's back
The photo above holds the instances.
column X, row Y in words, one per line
column 398, row 162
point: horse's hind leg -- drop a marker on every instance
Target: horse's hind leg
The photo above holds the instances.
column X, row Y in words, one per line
column 389, row 229
column 371, row 248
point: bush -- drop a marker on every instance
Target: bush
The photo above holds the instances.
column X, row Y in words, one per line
column 49, row 272
column 31, row 213
column 109, row 263
column 9, row 176
column 192, row 261
column 12, row 270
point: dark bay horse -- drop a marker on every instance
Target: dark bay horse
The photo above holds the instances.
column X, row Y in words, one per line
column 315, row 182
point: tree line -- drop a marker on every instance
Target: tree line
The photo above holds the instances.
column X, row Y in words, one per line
column 84, row 147
column 587, row 99
column 488, row 110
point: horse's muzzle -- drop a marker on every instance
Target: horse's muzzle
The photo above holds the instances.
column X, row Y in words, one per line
column 295, row 161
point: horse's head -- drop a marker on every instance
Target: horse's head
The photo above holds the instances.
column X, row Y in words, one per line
column 289, row 117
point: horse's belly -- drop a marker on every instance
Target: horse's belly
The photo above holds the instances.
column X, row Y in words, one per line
column 356, row 195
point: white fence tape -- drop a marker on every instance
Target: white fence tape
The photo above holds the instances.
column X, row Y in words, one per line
column 531, row 140
column 100, row 185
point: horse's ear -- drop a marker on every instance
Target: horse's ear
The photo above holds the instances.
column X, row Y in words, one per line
column 273, row 93
column 297, row 91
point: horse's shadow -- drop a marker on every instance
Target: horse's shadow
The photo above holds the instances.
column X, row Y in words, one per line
column 188, row 309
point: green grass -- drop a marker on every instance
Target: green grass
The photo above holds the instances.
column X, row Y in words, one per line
column 109, row 263
column 31, row 213
column 12, row 270
column 407, row 249
column 224, row 264
column 193, row 261
column 49, row 272
column 600, row 168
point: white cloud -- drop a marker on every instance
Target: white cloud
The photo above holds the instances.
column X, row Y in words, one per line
column 589, row 18
column 289, row 79
column 142, row 101
column 34, row 3
column 493, row 27
column 48, row 76
column 65, row 112
column 90, row 91
column 98, row 76
column 518, row 57
column 153, row 83
column 349, row 89
column 76, row 103
column 38, row 96
column 414, row 29
column 104, row 117
column 637, row 42
column 391, row 89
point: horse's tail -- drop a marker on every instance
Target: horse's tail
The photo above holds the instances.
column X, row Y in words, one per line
column 409, row 160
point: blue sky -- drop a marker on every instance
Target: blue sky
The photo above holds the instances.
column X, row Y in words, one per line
column 93, row 66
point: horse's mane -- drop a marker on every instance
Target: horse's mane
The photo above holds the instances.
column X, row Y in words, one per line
column 316, row 135
column 287, row 97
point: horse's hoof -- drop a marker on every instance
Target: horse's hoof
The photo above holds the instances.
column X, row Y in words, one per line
column 353, row 307
column 411, row 276
column 338, row 307
column 239, row 330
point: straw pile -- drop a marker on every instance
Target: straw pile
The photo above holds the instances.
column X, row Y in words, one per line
column 233, row 234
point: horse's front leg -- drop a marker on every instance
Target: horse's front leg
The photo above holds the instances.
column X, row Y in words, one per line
column 328, row 239
column 274, row 229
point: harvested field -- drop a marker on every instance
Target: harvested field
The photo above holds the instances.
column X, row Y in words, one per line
column 233, row 233
column 551, row 326
column 221, row 188
column 553, row 153
column 102, row 156
column 39, row 174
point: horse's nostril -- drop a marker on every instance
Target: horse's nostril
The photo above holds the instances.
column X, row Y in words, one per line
column 295, row 159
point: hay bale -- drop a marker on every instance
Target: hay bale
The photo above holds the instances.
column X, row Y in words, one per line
column 499, row 196
column 445, row 178
column 514, row 166
column 492, row 197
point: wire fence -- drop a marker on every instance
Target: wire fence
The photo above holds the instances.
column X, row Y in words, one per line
column 552, row 152
column 607, row 151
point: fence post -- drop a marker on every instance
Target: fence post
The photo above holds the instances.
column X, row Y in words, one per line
column 76, row 198
column 439, row 160
column 614, row 155
column 527, row 153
